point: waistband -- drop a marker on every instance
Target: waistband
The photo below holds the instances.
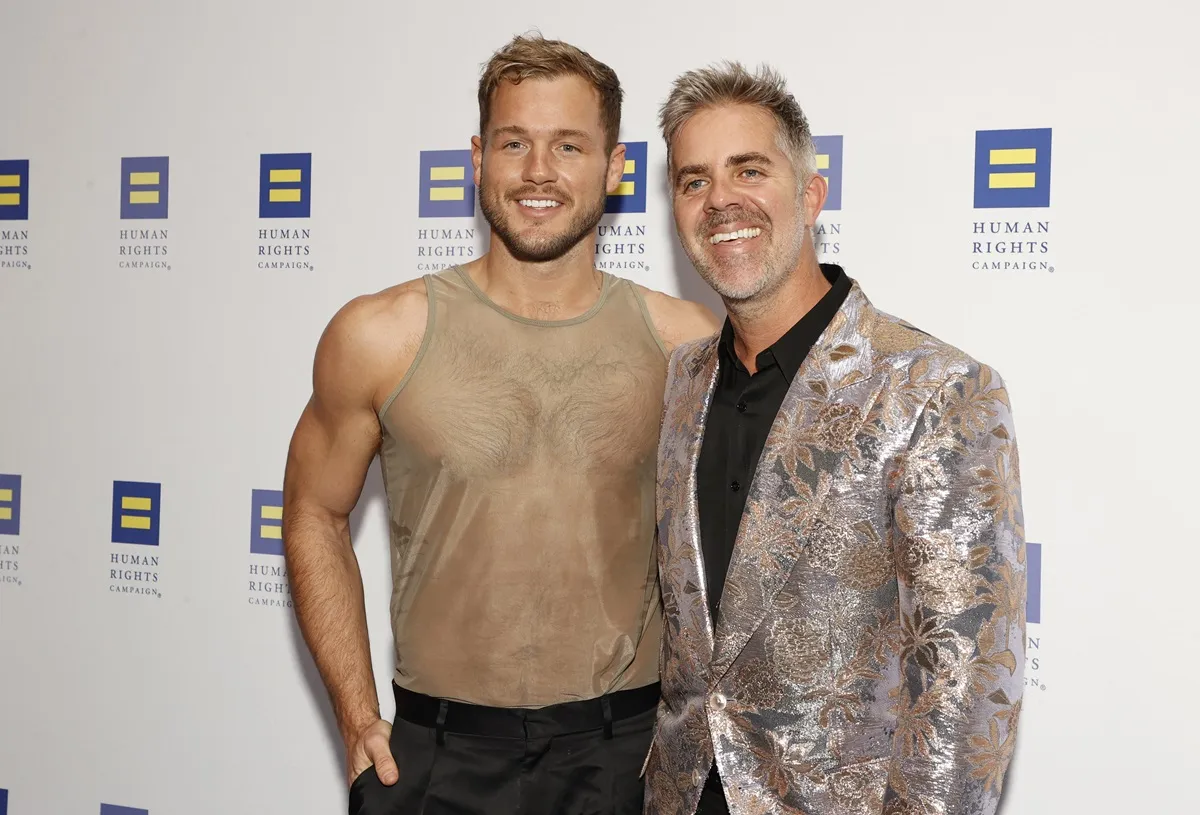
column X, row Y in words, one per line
column 519, row 723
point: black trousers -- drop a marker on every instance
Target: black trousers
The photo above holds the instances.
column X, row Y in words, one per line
column 575, row 758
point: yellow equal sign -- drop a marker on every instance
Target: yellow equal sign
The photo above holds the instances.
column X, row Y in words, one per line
column 1012, row 156
column 10, row 199
column 286, row 196
column 6, row 512
column 136, row 504
column 447, row 174
column 271, row 530
column 628, row 187
column 143, row 179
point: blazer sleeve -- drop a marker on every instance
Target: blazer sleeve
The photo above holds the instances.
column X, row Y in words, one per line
column 960, row 549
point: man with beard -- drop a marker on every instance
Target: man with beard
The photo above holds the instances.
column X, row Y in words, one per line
column 514, row 404
column 841, row 543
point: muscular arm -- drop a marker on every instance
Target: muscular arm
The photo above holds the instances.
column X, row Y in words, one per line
column 678, row 321
column 363, row 352
column 960, row 552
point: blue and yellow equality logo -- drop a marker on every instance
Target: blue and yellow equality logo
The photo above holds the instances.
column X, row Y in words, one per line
column 630, row 195
column 135, row 512
column 447, row 185
column 10, row 507
column 14, row 190
column 113, row 809
column 3, row 802
column 266, row 522
column 285, row 185
column 144, row 187
column 1012, row 168
column 829, row 165
column 1033, row 576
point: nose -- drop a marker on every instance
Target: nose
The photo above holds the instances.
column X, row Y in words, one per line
column 539, row 167
column 722, row 194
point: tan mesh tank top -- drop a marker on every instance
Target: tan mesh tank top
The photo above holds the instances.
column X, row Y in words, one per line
column 519, row 461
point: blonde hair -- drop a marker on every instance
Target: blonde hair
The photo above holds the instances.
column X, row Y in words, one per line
column 729, row 83
column 532, row 56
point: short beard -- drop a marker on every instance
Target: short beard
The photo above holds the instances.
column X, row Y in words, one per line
column 778, row 265
column 543, row 249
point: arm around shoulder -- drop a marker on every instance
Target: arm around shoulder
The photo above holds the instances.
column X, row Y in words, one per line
column 678, row 321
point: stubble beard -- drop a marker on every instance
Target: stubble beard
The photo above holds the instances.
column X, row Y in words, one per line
column 738, row 293
column 543, row 248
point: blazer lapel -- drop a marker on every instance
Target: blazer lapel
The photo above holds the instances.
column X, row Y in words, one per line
column 809, row 440
column 689, row 396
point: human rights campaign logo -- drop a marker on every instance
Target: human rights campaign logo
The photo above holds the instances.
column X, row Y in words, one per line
column 630, row 195
column 266, row 522
column 10, row 507
column 1033, row 576
column 447, row 185
column 285, row 185
column 135, row 512
column 144, row 188
column 1012, row 168
column 3, row 802
column 829, row 166
column 113, row 809
column 14, row 190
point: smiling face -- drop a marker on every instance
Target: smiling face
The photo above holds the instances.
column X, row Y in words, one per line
column 740, row 210
column 544, row 171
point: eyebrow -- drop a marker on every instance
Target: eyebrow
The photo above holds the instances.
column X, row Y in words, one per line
column 736, row 160
column 560, row 133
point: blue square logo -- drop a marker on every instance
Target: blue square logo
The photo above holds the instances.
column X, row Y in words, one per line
column 3, row 802
column 829, row 165
column 285, row 185
column 630, row 195
column 1012, row 168
column 135, row 512
column 266, row 522
column 447, row 185
column 113, row 809
column 1033, row 575
column 14, row 190
column 10, row 506
column 144, row 187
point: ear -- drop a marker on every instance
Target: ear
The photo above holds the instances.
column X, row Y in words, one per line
column 476, row 157
column 815, row 193
column 616, row 168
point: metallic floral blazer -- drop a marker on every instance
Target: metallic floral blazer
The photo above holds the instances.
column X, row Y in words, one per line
column 869, row 654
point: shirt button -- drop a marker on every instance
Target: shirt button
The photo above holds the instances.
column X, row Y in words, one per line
column 716, row 701
column 741, row 406
column 735, row 486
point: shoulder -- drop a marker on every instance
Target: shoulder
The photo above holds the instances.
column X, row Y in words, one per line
column 924, row 356
column 372, row 337
column 677, row 321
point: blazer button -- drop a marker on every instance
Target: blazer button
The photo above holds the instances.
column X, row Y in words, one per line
column 716, row 701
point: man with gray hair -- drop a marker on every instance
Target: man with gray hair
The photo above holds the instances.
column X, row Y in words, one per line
column 840, row 528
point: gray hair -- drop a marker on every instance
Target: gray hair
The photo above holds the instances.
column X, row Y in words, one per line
column 728, row 83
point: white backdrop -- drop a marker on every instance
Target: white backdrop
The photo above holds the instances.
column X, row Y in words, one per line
column 173, row 681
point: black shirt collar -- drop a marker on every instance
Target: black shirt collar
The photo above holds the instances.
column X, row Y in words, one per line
column 790, row 350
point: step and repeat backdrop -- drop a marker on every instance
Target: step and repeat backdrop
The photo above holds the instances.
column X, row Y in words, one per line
column 189, row 191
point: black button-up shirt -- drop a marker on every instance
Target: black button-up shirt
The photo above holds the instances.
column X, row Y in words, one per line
column 739, row 419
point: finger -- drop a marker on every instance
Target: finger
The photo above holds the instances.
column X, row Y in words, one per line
column 385, row 765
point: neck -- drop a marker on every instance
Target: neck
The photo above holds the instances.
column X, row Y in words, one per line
column 557, row 289
column 758, row 323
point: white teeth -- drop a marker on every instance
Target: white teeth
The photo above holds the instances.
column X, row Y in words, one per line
column 537, row 203
column 750, row 232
